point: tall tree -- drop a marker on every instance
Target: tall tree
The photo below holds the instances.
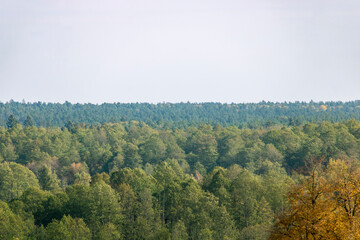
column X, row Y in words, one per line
column 11, row 121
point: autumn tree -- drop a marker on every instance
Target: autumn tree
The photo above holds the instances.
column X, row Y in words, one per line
column 323, row 205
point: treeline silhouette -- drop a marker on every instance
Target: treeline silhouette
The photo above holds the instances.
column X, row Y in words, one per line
column 180, row 115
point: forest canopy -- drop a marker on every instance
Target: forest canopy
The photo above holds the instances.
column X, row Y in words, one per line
column 130, row 180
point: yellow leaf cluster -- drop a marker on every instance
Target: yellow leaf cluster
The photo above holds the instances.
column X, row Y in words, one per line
column 323, row 107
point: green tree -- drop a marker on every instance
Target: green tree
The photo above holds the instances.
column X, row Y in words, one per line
column 28, row 121
column 67, row 228
column 78, row 205
column 103, row 207
column 48, row 180
column 179, row 231
column 11, row 225
column 108, row 232
column 218, row 184
column 148, row 219
column 203, row 147
column 135, row 178
column 11, row 121
column 248, row 205
column 132, row 157
column 129, row 205
column 51, row 208
column 153, row 150
column 14, row 180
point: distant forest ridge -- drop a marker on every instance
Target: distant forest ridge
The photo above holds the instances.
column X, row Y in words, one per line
column 178, row 115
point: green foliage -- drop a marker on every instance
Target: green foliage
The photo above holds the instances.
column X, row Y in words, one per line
column 78, row 205
column 103, row 206
column 203, row 148
column 14, row 180
column 28, row 122
column 132, row 181
column 48, row 180
column 108, row 232
column 179, row 231
column 11, row 121
column 132, row 157
column 180, row 115
column 67, row 228
column 11, row 225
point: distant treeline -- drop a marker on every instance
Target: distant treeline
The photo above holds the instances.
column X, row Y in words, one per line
column 180, row 115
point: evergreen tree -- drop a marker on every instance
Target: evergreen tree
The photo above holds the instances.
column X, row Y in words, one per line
column 11, row 121
column 28, row 122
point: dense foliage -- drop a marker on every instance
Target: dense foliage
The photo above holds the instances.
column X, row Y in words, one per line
column 131, row 181
column 180, row 115
column 323, row 205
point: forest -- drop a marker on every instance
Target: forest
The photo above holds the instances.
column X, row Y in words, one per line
column 182, row 115
column 130, row 180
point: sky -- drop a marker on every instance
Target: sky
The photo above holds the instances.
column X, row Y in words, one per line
column 87, row 51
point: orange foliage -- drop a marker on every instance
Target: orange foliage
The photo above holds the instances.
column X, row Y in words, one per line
column 75, row 167
column 324, row 205
column 323, row 107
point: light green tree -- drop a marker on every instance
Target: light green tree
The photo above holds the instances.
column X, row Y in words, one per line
column 11, row 225
column 67, row 228
column 14, row 180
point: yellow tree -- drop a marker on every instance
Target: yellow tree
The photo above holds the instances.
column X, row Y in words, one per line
column 343, row 179
column 323, row 205
column 308, row 208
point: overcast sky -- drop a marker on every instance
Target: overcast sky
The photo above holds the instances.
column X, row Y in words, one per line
column 177, row 51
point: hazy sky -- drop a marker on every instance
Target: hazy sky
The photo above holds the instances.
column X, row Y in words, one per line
column 173, row 51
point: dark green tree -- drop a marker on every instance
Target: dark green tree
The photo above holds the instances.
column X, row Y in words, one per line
column 28, row 121
column 11, row 121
